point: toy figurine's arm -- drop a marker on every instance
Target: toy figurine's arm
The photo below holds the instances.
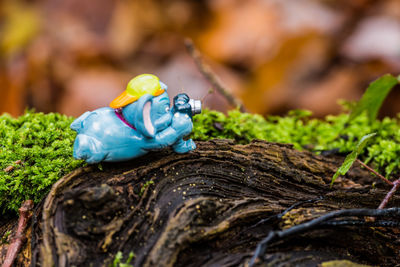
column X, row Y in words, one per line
column 181, row 126
column 182, row 146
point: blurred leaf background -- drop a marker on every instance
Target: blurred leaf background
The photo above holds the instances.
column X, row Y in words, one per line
column 71, row 56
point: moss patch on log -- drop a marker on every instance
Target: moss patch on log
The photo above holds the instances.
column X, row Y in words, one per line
column 35, row 151
column 332, row 135
column 36, row 148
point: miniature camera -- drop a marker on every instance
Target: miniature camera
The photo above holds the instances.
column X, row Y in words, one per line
column 196, row 106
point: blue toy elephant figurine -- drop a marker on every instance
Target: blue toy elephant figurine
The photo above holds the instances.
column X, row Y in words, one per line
column 137, row 121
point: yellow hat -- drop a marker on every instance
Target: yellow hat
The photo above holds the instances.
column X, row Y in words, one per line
column 137, row 87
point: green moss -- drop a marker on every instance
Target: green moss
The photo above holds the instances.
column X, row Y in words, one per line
column 331, row 134
column 43, row 145
column 4, row 238
column 143, row 188
column 342, row 263
column 117, row 262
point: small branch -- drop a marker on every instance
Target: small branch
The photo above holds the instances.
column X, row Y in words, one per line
column 25, row 213
column 210, row 76
column 280, row 215
column 375, row 172
column 324, row 220
column 396, row 185
column 364, row 223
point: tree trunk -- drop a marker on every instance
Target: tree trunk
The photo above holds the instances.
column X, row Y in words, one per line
column 208, row 208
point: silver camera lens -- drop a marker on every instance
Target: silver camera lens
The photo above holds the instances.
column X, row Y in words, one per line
column 196, row 106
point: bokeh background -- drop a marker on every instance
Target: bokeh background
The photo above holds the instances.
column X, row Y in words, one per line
column 71, row 56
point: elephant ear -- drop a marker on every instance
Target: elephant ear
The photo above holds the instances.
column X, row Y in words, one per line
column 143, row 121
column 148, row 125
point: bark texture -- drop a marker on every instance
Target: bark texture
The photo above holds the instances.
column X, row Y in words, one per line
column 208, row 208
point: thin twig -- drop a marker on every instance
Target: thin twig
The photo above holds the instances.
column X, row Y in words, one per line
column 318, row 222
column 395, row 185
column 25, row 213
column 375, row 172
column 389, row 195
column 280, row 215
column 364, row 223
column 210, row 76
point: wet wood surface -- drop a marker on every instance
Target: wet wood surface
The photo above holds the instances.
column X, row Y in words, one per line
column 208, row 208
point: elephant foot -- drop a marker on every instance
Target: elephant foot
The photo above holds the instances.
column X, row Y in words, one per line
column 88, row 149
column 184, row 146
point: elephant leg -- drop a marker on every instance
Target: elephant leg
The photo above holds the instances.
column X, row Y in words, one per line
column 88, row 149
column 182, row 146
column 95, row 158
column 77, row 124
